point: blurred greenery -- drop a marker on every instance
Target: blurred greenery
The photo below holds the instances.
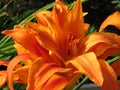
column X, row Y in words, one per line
column 14, row 12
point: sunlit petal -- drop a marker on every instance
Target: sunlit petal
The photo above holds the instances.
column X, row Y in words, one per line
column 110, row 79
column 20, row 49
column 113, row 19
column 88, row 65
column 41, row 17
column 99, row 43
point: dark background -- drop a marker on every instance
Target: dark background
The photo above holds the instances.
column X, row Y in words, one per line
column 11, row 10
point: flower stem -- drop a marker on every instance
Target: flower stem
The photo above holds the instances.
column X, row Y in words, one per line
column 111, row 61
column 81, row 83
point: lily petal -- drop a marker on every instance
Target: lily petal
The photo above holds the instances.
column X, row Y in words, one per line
column 6, row 63
column 41, row 17
column 116, row 67
column 56, row 82
column 3, row 78
column 73, row 80
column 88, row 65
column 42, row 74
column 21, row 74
column 20, row 49
column 110, row 79
column 3, row 62
column 44, row 37
column 73, row 48
column 27, row 39
column 75, row 22
column 11, row 66
column 58, row 39
column 113, row 19
column 59, row 13
column 101, row 44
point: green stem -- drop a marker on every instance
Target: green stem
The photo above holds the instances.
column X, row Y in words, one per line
column 4, row 40
column 81, row 83
column 111, row 61
column 84, row 1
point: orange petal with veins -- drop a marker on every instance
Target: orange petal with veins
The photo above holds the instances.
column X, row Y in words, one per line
column 26, row 38
column 99, row 43
column 40, row 73
column 88, row 65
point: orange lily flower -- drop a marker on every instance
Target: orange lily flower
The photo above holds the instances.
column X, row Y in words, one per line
column 56, row 52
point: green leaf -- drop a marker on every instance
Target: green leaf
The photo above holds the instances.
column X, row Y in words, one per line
column 91, row 30
column 85, row 79
column 111, row 61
